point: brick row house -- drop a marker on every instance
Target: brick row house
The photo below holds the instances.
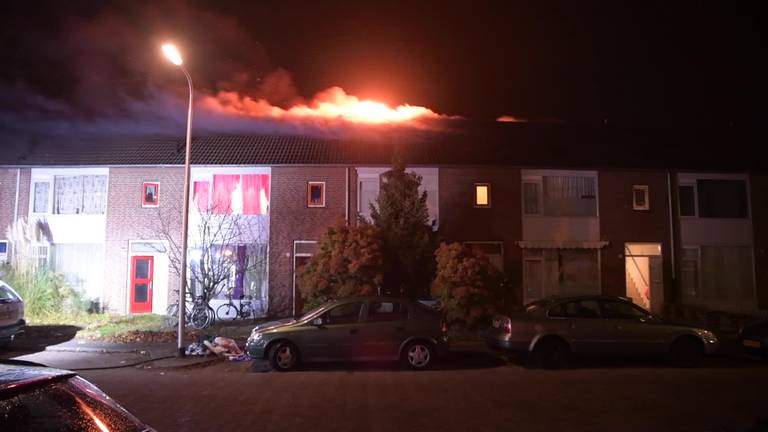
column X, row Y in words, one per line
column 666, row 237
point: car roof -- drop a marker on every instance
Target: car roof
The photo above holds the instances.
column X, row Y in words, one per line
column 563, row 299
column 15, row 376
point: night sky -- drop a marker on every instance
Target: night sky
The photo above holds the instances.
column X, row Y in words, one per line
column 621, row 63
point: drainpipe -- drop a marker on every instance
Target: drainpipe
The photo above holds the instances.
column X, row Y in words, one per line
column 15, row 208
column 346, row 195
column 671, row 224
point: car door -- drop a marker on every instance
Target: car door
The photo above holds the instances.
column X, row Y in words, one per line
column 337, row 334
column 633, row 329
column 10, row 306
column 582, row 324
column 383, row 331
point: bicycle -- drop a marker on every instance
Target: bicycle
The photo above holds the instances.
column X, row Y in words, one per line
column 172, row 312
column 246, row 308
column 202, row 314
column 228, row 311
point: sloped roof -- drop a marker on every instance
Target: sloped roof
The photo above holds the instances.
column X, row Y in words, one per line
column 536, row 145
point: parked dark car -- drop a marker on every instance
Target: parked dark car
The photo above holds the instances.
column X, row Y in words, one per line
column 550, row 330
column 359, row 328
column 754, row 338
column 34, row 398
column 12, row 321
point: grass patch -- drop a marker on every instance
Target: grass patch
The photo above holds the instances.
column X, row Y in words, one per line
column 118, row 325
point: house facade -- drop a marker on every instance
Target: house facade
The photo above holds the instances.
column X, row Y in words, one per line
column 112, row 219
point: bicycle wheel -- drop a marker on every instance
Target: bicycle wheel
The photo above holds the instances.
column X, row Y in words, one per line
column 200, row 318
column 227, row 312
column 246, row 311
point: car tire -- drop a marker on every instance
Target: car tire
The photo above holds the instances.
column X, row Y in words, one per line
column 283, row 356
column 687, row 352
column 417, row 355
column 5, row 343
column 551, row 353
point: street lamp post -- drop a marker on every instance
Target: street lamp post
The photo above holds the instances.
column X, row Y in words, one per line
column 174, row 56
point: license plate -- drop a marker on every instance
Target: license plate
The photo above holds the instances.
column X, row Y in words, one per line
column 751, row 343
column 5, row 315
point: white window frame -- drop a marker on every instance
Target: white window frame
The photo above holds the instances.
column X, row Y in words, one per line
column 49, row 205
column 488, row 195
column 309, row 194
column 365, row 177
column 143, row 194
column 635, row 204
column 293, row 266
column 4, row 255
column 539, row 259
column 695, row 200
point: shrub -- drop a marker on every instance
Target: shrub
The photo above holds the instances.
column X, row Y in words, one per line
column 348, row 262
column 44, row 292
column 467, row 286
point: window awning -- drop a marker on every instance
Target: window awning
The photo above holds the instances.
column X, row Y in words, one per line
column 545, row 244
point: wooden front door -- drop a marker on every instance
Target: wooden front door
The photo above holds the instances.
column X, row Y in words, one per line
column 142, row 268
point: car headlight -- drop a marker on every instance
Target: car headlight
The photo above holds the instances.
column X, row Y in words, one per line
column 255, row 337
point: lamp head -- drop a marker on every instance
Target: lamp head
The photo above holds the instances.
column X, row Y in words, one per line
column 172, row 53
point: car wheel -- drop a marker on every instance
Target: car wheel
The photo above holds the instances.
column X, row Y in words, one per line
column 551, row 353
column 418, row 355
column 687, row 352
column 5, row 342
column 283, row 357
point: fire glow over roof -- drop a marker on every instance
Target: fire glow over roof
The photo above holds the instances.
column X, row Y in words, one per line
column 331, row 104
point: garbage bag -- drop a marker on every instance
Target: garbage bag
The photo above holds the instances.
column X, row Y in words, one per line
column 229, row 344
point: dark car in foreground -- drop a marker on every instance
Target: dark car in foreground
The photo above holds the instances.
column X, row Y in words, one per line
column 754, row 338
column 552, row 329
column 359, row 329
column 35, row 398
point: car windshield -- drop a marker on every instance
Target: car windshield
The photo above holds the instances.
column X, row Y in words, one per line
column 313, row 312
column 536, row 306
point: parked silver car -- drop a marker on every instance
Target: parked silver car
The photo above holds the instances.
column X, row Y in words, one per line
column 357, row 328
column 553, row 328
column 11, row 314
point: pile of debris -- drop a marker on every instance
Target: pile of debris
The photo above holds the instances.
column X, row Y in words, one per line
column 220, row 346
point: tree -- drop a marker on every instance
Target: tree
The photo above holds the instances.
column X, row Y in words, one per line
column 467, row 286
column 348, row 262
column 408, row 241
column 223, row 247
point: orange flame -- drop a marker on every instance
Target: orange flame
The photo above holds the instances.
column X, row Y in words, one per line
column 332, row 103
column 510, row 119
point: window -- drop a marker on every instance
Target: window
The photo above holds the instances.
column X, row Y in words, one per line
column 689, row 272
column 622, row 310
column 575, row 309
column 531, row 198
column 3, row 249
column 80, row 194
column 344, row 314
column 482, row 195
column 150, row 194
column 368, row 191
column 687, row 195
column 246, row 194
column 569, row 196
column 6, row 294
column 387, row 311
column 721, row 198
column 41, row 197
column 640, row 197
column 315, row 194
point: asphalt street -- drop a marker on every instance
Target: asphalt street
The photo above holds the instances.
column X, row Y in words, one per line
column 471, row 391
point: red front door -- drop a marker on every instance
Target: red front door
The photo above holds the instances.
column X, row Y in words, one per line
column 141, row 283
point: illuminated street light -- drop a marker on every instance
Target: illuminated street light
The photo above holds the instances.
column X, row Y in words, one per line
column 174, row 56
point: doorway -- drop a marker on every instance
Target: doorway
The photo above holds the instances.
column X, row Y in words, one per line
column 303, row 250
column 142, row 268
column 644, row 274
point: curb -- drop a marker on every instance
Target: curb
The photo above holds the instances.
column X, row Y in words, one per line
column 93, row 350
column 193, row 365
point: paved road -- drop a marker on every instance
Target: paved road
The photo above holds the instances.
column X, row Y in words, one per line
column 471, row 392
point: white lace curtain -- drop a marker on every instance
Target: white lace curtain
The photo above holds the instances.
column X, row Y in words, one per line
column 80, row 194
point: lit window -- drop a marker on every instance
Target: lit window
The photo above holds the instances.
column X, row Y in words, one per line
column 640, row 197
column 316, row 194
column 482, row 195
column 150, row 196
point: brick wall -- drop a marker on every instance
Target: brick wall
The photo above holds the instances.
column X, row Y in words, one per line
column 8, row 178
column 291, row 219
column 759, row 199
column 620, row 224
column 460, row 220
column 127, row 220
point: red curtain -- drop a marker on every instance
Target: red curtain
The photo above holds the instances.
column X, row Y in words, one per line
column 255, row 194
column 200, row 194
column 223, row 186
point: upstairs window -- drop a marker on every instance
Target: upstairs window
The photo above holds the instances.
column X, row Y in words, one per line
column 150, row 196
column 640, row 197
column 531, row 198
column 722, row 198
column 79, row 194
column 41, row 191
column 687, row 196
column 246, row 194
column 569, row 196
column 482, row 195
column 315, row 194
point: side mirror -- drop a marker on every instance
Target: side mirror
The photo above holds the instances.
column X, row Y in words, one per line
column 317, row 321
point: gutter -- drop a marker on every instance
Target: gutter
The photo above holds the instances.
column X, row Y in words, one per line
column 16, row 203
column 671, row 224
column 346, row 195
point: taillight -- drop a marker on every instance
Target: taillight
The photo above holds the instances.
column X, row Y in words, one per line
column 444, row 327
column 507, row 326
